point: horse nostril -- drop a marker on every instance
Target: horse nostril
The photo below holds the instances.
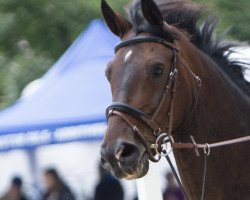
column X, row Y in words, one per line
column 119, row 151
column 126, row 151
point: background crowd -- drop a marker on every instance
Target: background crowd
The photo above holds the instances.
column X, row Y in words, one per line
column 108, row 188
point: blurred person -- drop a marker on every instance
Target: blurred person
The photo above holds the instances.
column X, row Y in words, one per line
column 108, row 188
column 56, row 189
column 172, row 192
column 15, row 191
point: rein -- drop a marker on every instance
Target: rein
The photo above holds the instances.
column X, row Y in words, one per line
column 159, row 144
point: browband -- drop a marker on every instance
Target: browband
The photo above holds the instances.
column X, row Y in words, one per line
column 146, row 39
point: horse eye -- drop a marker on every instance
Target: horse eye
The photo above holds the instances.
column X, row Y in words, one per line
column 158, row 70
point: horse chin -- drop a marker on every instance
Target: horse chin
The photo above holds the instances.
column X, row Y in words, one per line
column 139, row 171
column 142, row 171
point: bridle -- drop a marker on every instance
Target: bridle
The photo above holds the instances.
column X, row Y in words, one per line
column 155, row 147
column 126, row 111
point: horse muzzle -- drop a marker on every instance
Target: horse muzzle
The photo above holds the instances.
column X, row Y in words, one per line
column 125, row 159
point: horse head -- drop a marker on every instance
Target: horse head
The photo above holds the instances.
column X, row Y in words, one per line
column 143, row 79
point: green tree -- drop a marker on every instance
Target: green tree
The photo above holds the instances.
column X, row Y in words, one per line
column 234, row 16
column 33, row 34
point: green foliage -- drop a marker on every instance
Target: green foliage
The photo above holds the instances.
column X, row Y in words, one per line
column 33, row 34
column 234, row 17
column 17, row 72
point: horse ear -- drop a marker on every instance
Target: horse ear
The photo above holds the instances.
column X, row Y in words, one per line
column 116, row 23
column 151, row 12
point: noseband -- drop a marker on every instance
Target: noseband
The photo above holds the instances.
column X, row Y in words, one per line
column 126, row 111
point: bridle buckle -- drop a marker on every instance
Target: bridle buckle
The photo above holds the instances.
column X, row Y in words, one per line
column 161, row 143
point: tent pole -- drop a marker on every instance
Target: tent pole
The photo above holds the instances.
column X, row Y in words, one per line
column 149, row 187
column 33, row 165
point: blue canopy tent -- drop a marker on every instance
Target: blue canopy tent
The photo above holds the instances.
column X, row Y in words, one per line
column 70, row 103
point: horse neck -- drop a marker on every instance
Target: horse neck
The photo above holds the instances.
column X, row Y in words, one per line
column 223, row 109
column 222, row 113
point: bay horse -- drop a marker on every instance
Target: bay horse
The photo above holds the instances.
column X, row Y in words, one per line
column 161, row 43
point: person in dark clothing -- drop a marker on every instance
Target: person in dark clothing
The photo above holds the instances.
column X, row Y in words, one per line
column 109, row 188
column 56, row 189
column 173, row 192
column 15, row 191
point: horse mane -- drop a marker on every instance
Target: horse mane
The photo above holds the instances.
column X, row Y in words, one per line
column 187, row 16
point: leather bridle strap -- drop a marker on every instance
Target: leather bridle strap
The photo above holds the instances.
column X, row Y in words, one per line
column 207, row 146
column 132, row 111
column 122, row 110
column 136, row 40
